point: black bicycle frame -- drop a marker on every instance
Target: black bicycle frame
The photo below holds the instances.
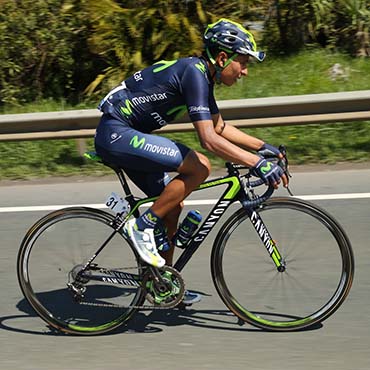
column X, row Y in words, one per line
column 234, row 192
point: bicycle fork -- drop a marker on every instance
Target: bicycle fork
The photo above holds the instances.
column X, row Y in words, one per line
column 266, row 239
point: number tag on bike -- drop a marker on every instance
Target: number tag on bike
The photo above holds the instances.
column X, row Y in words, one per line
column 117, row 204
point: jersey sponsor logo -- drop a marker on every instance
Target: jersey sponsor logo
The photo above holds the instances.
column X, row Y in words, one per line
column 158, row 118
column 127, row 108
column 198, row 109
column 138, row 77
column 153, row 148
column 136, row 143
column 148, row 98
column 163, row 150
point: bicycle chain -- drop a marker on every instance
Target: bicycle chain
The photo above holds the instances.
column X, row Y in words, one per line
column 141, row 307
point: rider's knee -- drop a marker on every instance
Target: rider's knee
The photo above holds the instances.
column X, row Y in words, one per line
column 204, row 165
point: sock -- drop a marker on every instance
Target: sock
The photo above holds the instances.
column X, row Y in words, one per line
column 148, row 220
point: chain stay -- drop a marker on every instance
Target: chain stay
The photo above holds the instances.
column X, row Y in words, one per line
column 146, row 280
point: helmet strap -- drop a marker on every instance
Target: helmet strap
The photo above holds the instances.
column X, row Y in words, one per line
column 219, row 69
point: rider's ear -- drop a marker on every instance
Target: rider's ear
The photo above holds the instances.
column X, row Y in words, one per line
column 222, row 58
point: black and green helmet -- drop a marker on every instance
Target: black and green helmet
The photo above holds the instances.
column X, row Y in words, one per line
column 230, row 37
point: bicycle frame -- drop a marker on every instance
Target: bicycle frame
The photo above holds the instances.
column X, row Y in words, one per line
column 233, row 192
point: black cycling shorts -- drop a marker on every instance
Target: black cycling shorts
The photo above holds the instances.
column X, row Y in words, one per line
column 146, row 158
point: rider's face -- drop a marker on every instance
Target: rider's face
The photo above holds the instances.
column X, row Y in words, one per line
column 235, row 70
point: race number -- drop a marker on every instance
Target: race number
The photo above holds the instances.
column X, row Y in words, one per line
column 117, row 204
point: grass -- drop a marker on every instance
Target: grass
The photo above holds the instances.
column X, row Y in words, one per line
column 306, row 73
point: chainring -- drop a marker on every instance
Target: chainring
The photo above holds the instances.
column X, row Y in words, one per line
column 174, row 292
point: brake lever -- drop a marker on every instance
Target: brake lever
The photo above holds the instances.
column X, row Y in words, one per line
column 284, row 164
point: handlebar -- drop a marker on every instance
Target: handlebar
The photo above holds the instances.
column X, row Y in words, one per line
column 259, row 199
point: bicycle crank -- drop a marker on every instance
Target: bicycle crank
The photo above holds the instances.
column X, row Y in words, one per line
column 167, row 291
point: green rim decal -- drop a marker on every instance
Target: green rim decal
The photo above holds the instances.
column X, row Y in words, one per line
column 269, row 322
column 94, row 328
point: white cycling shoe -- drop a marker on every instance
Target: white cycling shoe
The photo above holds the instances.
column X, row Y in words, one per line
column 144, row 244
column 191, row 297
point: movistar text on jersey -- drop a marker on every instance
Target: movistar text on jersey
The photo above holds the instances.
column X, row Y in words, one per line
column 164, row 150
column 148, row 98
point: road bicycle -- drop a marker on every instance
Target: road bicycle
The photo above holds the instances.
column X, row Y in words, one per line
column 280, row 264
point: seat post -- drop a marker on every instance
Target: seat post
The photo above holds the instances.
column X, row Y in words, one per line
column 123, row 181
column 129, row 196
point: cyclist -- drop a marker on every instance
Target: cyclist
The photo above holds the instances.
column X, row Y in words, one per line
column 155, row 96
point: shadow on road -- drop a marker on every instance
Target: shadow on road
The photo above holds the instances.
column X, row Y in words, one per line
column 145, row 321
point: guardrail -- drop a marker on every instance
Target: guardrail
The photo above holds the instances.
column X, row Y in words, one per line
column 276, row 111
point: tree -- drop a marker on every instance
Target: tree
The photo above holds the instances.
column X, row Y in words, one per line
column 340, row 24
column 42, row 50
column 345, row 24
column 131, row 35
column 287, row 25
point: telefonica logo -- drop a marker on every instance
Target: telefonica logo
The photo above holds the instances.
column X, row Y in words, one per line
column 153, row 148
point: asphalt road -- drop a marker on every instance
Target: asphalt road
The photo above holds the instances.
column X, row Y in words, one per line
column 206, row 336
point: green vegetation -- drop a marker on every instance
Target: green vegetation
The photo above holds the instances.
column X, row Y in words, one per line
column 66, row 54
column 305, row 73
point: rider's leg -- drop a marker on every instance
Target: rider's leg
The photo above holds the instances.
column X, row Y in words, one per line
column 192, row 172
column 171, row 222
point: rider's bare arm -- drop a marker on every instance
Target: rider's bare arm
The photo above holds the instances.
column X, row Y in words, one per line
column 235, row 135
column 221, row 146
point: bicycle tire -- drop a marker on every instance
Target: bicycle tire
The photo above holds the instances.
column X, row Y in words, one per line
column 310, row 241
column 58, row 244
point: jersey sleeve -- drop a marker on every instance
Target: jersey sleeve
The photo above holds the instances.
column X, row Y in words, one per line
column 198, row 94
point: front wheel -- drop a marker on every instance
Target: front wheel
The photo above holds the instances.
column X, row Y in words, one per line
column 316, row 258
column 50, row 263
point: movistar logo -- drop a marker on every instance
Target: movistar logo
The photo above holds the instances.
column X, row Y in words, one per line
column 136, row 143
column 127, row 109
column 164, row 64
column 151, row 217
column 266, row 168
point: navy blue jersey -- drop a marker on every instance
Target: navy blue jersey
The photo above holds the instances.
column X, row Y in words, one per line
column 156, row 95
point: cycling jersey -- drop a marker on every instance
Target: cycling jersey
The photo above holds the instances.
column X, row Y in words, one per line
column 144, row 102
column 157, row 95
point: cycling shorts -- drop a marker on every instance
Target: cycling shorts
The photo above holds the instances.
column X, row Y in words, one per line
column 146, row 158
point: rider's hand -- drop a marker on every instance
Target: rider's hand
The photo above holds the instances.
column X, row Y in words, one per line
column 269, row 151
column 269, row 172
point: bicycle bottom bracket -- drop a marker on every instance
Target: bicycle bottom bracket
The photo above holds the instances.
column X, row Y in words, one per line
column 169, row 292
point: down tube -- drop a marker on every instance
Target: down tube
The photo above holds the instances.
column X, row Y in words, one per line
column 227, row 198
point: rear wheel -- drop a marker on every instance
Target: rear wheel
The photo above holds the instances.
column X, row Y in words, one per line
column 317, row 271
column 51, row 258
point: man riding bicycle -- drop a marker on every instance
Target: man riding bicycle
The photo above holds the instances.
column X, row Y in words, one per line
column 155, row 96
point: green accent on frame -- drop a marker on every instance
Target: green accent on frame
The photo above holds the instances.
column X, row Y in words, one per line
column 232, row 191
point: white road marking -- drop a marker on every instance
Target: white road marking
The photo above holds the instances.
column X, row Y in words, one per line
column 187, row 202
